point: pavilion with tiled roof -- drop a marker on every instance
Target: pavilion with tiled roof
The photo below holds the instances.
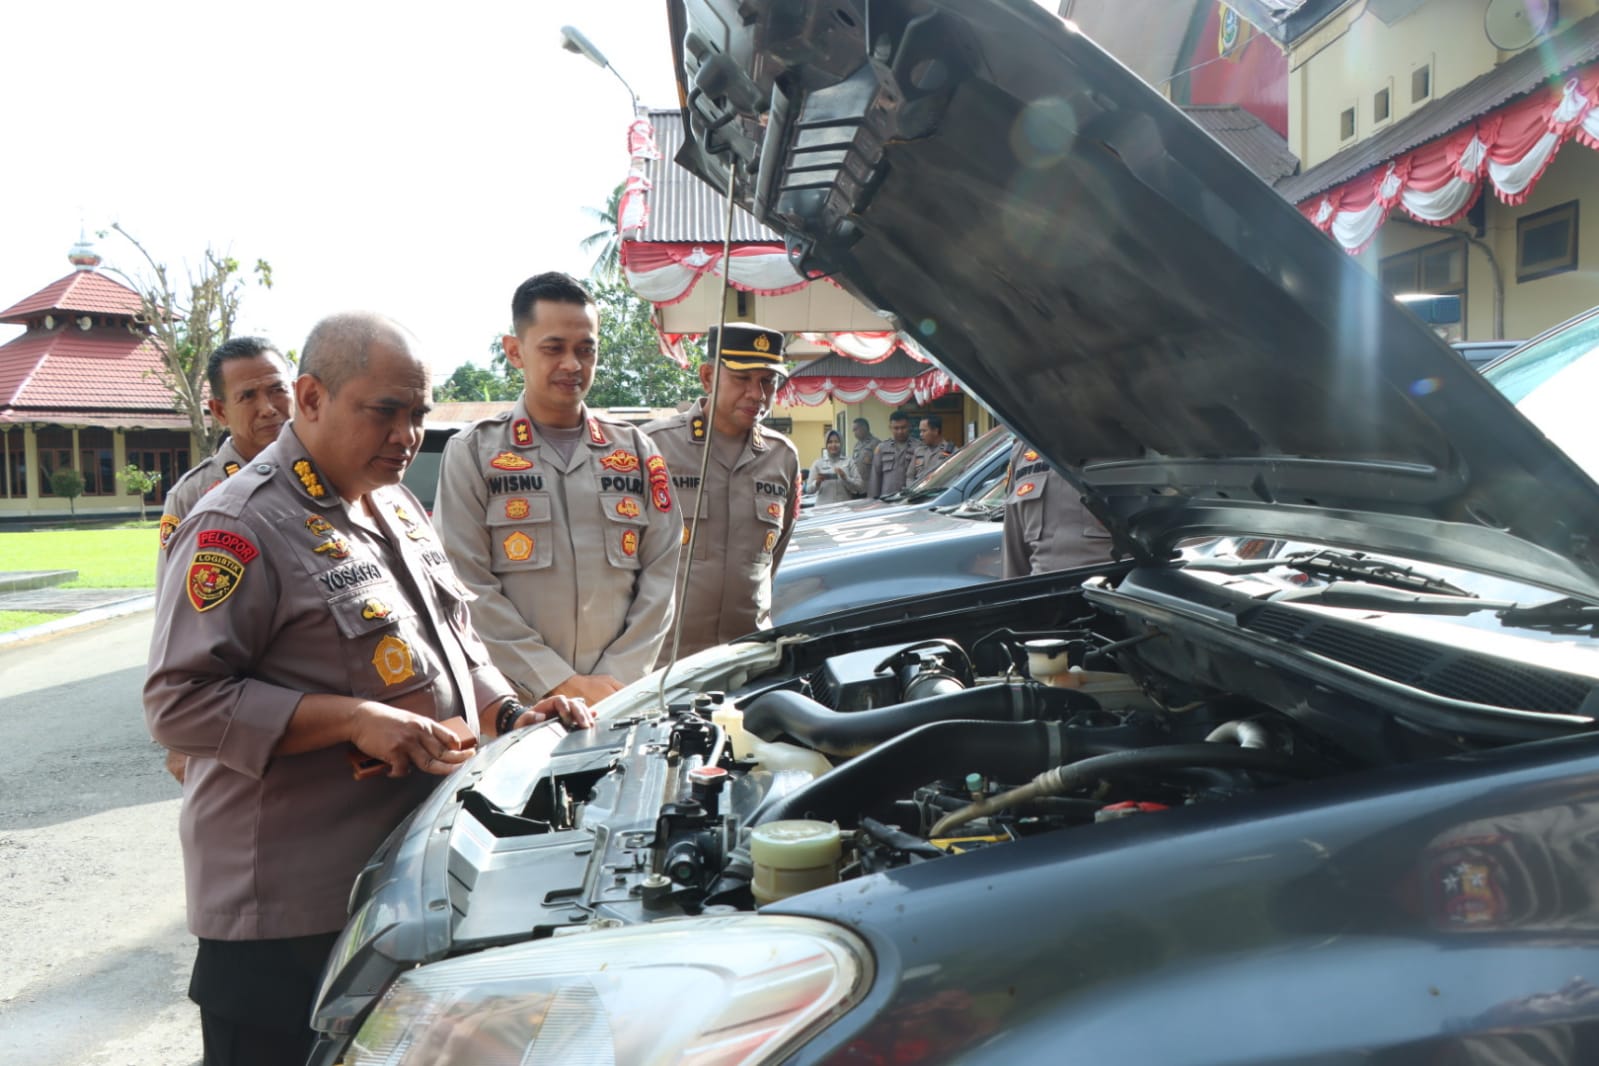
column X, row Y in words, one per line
column 80, row 388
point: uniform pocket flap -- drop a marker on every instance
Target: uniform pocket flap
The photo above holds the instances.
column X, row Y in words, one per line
column 514, row 510
column 363, row 610
column 620, row 507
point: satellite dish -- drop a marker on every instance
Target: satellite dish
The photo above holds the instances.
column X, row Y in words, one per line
column 1512, row 25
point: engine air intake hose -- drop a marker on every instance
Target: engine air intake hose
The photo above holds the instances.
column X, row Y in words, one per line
column 783, row 712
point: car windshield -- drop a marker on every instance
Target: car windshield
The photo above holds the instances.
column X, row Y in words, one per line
column 959, row 463
column 1552, row 382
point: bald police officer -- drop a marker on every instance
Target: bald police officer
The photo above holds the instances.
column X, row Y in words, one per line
column 891, row 460
column 250, row 397
column 751, row 493
column 561, row 522
column 1046, row 525
column 307, row 618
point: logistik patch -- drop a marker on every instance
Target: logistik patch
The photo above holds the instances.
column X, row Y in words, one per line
column 217, row 567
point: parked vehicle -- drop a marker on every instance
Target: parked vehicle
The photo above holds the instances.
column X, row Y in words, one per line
column 1164, row 810
column 968, row 472
column 1480, row 353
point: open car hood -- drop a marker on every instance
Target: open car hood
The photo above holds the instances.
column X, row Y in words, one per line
column 1120, row 289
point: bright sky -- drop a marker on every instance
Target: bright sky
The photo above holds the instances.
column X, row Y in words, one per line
column 414, row 159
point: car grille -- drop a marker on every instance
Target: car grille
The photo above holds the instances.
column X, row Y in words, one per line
column 1444, row 671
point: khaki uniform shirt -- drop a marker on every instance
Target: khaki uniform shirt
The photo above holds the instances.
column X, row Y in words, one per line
column 861, row 458
column 271, row 592
column 835, row 480
column 573, row 563
column 746, row 515
column 891, row 461
column 1046, row 525
column 201, row 479
column 927, row 458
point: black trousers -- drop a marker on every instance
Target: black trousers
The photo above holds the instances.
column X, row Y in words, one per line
column 255, row 998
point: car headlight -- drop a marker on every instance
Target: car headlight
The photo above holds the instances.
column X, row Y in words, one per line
column 712, row 992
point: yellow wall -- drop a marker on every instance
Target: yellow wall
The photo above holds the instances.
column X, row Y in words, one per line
column 1353, row 55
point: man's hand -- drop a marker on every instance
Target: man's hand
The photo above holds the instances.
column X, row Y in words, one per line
column 177, row 764
column 590, row 687
column 574, row 713
column 405, row 740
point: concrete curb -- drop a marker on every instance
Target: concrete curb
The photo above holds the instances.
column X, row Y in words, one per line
column 77, row 620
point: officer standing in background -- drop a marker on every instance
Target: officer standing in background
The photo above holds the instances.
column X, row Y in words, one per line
column 250, row 396
column 1046, row 525
column 891, row 459
column 751, row 494
column 561, row 522
column 307, row 618
column 931, row 451
column 861, row 456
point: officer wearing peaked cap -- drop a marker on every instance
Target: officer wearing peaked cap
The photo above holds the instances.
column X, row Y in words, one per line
column 750, row 497
column 562, row 523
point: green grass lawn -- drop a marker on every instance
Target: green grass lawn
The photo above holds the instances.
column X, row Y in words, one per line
column 10, row 620
column 121, row 557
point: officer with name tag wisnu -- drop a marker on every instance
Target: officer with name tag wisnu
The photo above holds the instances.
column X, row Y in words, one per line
column 751, row 494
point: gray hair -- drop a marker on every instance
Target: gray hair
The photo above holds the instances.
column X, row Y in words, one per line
column 339, row 345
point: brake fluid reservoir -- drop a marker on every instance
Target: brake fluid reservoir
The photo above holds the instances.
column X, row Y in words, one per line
column 793, row 856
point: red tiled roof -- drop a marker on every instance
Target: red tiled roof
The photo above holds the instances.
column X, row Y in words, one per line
column 81, row 290
column 105, row 369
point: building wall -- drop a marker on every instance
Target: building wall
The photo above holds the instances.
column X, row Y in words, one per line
column 27, row 496
column 1535, row 305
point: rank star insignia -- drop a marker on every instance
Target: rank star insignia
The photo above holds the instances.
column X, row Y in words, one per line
column 169, row 526
column 696, row 427
column 628, row 508
column 1026, row 488
column 1029, row 455
column 630, row 542
column 522, row 432
column 392, row 658
column 307, row 475
column 660, row 493
column 771, row 541
column 774, row 511
column 374, row 608
column 596, row 434
column 336, row 547
column 622, row 461
column 318, row 526
column 518, row 547
column 510, row 461
column 517, row 507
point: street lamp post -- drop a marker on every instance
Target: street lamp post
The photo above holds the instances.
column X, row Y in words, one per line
column 577, row 44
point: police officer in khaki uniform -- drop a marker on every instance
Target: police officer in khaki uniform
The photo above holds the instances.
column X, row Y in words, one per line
column 308, row 619
column 560, row 522
column 250, row 396
column 1046, row 525
column 931, row 451
column 751, row 494
column 891, row 461
column 861, row 455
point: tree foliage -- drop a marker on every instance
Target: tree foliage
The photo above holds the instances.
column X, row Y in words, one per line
column 68, row 484
column 608, row 239
column 632, row 371
column 139, row 482
column 189, row 317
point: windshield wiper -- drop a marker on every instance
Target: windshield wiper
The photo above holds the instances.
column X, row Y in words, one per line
column 1393, row 600
column 1335, row 564
column 1561, row 616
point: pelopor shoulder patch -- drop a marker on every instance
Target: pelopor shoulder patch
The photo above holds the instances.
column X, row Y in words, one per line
column 660, row 493
column 217, row 568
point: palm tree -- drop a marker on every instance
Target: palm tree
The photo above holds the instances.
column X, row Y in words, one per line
column 608, row 263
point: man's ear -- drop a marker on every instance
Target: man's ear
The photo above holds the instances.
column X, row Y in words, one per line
column 218, row 411
column 310, row 398
column 513, row 350
column 707, row 370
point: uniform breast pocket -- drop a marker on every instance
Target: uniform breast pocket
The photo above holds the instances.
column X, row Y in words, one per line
column 519, row 532
column 768, row 524
column 373, row 619
column 453, row 598
column 624, row 530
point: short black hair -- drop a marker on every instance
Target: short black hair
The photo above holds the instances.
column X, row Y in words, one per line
column 551, row 285
column 935, row 421
column 899, row 416
column 861, row 422
column 229, row 350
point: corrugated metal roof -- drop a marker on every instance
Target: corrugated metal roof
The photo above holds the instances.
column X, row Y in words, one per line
column 681, row 206
column 1245, row 135
column 833, row 365
column 1537, row 66
column 81, row 290
column 106, row 368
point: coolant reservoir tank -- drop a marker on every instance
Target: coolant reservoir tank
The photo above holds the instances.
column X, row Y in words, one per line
column 731, row 721
column 793, row 856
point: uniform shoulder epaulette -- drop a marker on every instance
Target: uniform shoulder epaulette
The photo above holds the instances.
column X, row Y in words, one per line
column 230, row 496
